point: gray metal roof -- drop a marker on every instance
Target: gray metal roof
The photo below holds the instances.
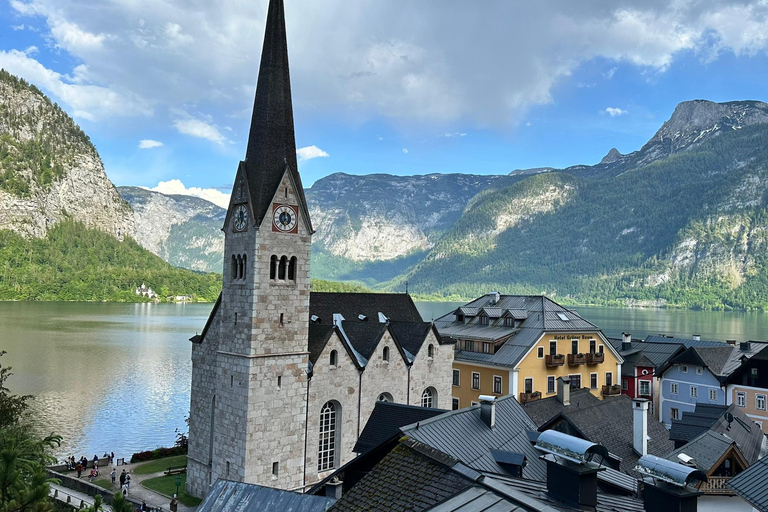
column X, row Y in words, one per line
column 683, row 341
column 706, row 450
column 228, row 496
column 658, row 353
column 751, row 484
column 480, row 499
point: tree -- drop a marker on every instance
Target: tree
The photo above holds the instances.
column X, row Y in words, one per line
column 23, row 480
column 11, row 406
column 120, row 504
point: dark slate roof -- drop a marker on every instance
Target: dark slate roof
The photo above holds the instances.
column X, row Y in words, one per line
column 410, row 335
column 658, row 353
column 397, row 307
column 319, row 334
column 271, row 140
column 227, row 496
column 721, row 361
column 540, row 315
column 404, row 480
column 386, row 420
column 747, row 434
column 541, row 411
column 198, row 338
column 683, row 341
column 715, row 357
column 610, row 423
column 364, row 336
column 751, row 484
column 706, row 450
column 463, row 435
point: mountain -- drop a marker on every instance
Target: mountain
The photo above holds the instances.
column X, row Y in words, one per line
column 49, row 170
column 683, row 221
column 372, row 228
column 183, row 230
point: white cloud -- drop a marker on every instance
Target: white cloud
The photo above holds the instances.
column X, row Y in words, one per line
column 614, row 111
column 199, row 128
column 609, row 74
column 178, row 188
column 454, row 134
column 149, row 144
column 405, row 151
column 310, row 152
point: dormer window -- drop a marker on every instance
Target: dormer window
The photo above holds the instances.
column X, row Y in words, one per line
column 509, row 321
column 484, row 320
column 459, row 317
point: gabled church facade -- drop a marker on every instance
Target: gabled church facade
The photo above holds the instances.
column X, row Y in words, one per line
column 284, row 380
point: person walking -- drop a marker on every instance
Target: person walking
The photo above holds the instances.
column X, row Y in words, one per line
column 128, row 481
column 122, row 479
column 79, row 469
column 113, row 474
column 174, row 504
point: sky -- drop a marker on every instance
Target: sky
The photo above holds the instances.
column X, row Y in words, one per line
column 164, row 88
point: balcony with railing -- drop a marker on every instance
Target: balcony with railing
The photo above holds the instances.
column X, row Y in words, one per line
column 530, row 397
column 554, row 360
column 611, row 390
column 595, row 357
column 576, row 359
column 716, row 485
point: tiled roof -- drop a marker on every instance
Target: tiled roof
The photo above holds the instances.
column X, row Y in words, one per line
column 706, row 450
column 386, row 420
column 364, row 336
column 541, row 411
column 715, row 357
column 227, row 496
column 410, row 335
column 318, row 336
column 751, row 484
column 397, row 307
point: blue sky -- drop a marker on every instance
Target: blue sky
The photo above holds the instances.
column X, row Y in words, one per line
column 381, row 87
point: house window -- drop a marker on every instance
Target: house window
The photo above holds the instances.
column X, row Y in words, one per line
column 645, row 388
column 673, row 388
column 699, row 370
column 540, row 352
column 593, row 381
column 497, row 384
column 385, row 354
column 674, row 413
column 509, row 321
column 487, row 348
column 609, row 378
column 600, row 349
column 469, row 345
column 529, row 385
column 713, row 394
column 552, row 348
column 574, row 346
column 550, row 384
column 741, row 399
column 694, row 391
column 475, row 380
column 625, row 384
column 684, row 369
column 326, row 453
column 760, row 402
column 455, row 404
column 428, row 397
column 575, row 381
column 334, row 358
column 592, row 346
column 275, row 469
column 483, row 320
column 456, row 378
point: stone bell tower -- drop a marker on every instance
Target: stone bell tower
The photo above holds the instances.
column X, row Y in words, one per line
column 256, row 427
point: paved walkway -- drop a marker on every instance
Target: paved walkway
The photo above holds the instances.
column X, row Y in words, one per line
column 73, row 497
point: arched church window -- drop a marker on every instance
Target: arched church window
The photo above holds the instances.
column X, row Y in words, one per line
column 385, row 397
column 431, row 350
column 234, row 267
column 329, row 436
column 292, row 268
column 272, row 267
column 282, row 267
column 429, row 397
column 385, row 354
column 334, row 358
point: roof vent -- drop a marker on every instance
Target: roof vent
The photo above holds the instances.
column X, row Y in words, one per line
column 362, row 318
column 744, row 346
column 668, row 485
column 315, row 319
column 512, row 462
column 383, row 318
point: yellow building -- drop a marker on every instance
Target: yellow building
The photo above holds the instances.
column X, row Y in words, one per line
column 521, row 344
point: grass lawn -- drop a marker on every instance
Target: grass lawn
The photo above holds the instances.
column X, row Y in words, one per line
column 155, row 466
column 104, row 483
column 167, row 485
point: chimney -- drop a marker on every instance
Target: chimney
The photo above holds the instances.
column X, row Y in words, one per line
column 640, row 425
column 333, row 488
column 626, row 341
column 488, row 410
column 495, row 297
column 744, row 346
column 669, row 486
column 697, row 337
column 564, row 390
column 573, row 484
column 731, row 342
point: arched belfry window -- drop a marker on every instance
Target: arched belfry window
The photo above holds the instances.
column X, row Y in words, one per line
column 239, row 266
column 292, row 268
column 429, row 397
column 329, row 436
column 233, row 266
column 334, row 358
column 245, row 265
column 282, row 268
column 273, row 267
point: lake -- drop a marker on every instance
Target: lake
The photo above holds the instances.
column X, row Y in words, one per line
column 115, row 377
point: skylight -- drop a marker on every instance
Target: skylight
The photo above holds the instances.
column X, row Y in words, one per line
column 563, row 317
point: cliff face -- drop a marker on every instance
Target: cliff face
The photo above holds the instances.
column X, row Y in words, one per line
column 49, row 170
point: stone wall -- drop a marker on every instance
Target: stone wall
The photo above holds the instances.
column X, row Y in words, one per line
column 435, row 372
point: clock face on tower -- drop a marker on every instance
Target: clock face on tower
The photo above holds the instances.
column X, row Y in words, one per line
column 284, row 218
column 241, row 217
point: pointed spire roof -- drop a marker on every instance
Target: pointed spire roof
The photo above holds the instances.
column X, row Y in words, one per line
column 271, row 141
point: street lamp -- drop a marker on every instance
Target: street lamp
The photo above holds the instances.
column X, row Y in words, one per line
column 178, row 484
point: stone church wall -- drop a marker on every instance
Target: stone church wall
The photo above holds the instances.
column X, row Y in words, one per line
column 436, row 372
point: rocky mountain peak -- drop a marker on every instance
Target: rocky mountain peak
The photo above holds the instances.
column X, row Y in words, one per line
column 612, row 156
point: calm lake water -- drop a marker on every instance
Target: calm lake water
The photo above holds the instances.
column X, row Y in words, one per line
column 115, row 377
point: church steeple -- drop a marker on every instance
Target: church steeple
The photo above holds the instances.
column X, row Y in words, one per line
column 271, row 140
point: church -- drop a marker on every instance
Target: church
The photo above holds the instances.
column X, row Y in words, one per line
column 284, row 379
